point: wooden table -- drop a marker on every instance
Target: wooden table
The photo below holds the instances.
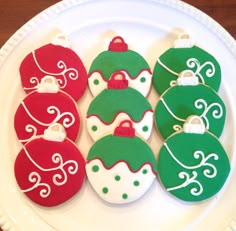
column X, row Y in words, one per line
column 14, row 13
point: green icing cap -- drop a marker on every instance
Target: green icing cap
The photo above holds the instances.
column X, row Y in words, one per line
column 118, row 57
column 110, row 102
column 112, row 149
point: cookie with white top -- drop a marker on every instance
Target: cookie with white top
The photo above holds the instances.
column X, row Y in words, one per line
column 43, row 107
column 185, row 55
column 117, row 103
column 192, row 164
column 55, row 59
column 189, row 97
column 50, row 169
column 121, row 167
column 120, row 58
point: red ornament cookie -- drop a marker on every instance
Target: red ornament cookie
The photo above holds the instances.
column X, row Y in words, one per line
column 50, row 169
column 43, row 107
column 58, row 60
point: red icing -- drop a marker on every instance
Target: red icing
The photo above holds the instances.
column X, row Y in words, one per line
column 123, row 130
column 37, row 104
column 48, row 58
column 117, row 81
column 118, row 44
column 41, row 152
column 122, row 161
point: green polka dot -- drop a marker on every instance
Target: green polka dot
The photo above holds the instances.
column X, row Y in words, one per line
column 94, row 128
column 136, row 183
column 145, row 128
column 143, row 79
column 105, row 190
column 145, row 171
column 95, row 168
column 117, row 177
column 96, row 82
column 124, row 196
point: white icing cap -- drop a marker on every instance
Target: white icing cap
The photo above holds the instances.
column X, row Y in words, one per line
column 61, row 40
column 194, row 124
column 48, row 84
column 187, row 78
column 55, row 132
column 184, row 41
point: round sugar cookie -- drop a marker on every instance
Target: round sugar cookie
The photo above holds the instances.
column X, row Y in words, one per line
column 55, row 59
column 50, row 169
column 189, row 97
column 43, row 107
column 119, row 58
column 115, row 104
column 185, row 56
column 192, row 164
column 121, row 167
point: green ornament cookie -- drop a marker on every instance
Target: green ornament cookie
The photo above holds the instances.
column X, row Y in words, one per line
column 115, row 104
column 118, row 58
column 187, row 98
column 121, row 167
column 192, row 164
column 185, row 56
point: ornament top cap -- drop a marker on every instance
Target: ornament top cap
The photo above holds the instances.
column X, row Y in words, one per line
column 48, row 84
column 184, row 41
column 117, row 81
column 55, row 132
column 61, row 40
column 187, row 78
column 194, row 124
column 125, row 129
column 118, row 44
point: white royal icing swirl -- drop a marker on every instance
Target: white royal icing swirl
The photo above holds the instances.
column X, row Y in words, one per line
column 58, row 179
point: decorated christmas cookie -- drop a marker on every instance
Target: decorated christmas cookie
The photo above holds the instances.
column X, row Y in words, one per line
column 186, row 56
column 58, row 60
column 50, row 169
column 119, row 58
column 192, row 164
column 115, row 104
column 121, row 167
column 189, row 97
column 43, row 107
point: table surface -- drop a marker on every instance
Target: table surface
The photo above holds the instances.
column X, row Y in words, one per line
column 15, row 13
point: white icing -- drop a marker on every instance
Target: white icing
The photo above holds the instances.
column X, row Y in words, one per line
column 61, row 40
column 48, row 84
column 187, row 80
column 58, row 134
column 58, row 179
column 105, row 129
column 167, row 68
column 66, row 73
column 106, row 178
column 184, row 42
column 194, row 128
column 137, row 84
column 30, row 129
column 209, row 169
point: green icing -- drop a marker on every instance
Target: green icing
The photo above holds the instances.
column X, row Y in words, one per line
column 125, row 196
column 109, row 62
column 213, row 162
column 176, row 59
column 112, row 149
column 117, row 178
column 136, row 183
column 95, row 168
column 105, row 190
column 184, row 101
column 111, row 101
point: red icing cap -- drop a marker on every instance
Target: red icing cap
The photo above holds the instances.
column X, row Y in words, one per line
column 117, row 81
column 125, row 129
column 118, row 44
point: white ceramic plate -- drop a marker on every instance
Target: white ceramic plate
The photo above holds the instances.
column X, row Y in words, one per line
column 150, row 28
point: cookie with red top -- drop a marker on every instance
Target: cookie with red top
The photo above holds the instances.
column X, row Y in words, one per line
column 50, row 169
column 118, row 58
column 43, row 107
column 55, row 59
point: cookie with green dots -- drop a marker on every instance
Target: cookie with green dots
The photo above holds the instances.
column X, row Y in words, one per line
column 121, row 167
column 185, row 55
column 192, row 164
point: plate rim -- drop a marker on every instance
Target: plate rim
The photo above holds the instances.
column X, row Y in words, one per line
column 5, row 221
